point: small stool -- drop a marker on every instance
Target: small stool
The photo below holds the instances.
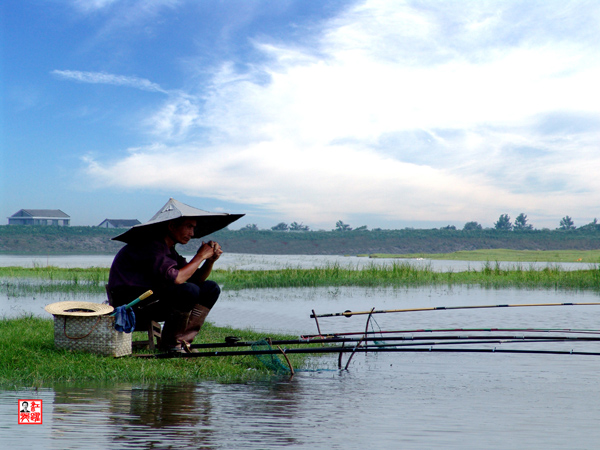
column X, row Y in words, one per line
column 153, row 329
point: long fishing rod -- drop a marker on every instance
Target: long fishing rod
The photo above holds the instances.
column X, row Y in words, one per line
column 442, row 308
column 362, row 350
column 337, row 340
column 450, row 330
column 469, row 341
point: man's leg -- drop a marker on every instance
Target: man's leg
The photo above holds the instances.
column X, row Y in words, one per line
column 208, row 294
column 191, row 304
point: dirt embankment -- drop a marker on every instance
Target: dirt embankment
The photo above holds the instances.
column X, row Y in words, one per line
column 92, row 240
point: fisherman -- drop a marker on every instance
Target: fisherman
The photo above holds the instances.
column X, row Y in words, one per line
column 183, row 295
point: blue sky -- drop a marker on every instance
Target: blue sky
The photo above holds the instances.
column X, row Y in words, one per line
column 388, row 114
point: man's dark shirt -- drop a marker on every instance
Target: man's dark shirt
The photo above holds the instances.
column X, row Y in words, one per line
column 151, row 265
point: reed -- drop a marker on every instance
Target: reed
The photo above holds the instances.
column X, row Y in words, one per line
column 28, row 359
column 405, row 274
column 400, row 274
column 88, row 274
column 563, row 256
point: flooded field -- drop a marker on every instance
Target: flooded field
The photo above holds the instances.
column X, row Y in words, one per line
column 383, row 401
column 243, row 261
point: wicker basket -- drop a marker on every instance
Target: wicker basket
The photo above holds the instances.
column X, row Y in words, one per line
column 93, row 334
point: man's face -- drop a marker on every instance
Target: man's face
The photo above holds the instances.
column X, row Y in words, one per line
column 183, row 232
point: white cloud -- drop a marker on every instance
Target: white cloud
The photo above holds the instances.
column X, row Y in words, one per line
column 142, row 6
column 175, row 119
column 107, row 78
column 93, row 5
column 310, row 144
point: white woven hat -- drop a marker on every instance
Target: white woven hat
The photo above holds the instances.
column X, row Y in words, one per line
column 78, row 309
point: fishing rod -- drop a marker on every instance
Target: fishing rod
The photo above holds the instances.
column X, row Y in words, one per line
column 337, row 340
column 450, row 330
column 339, row 349
column 469, row 341
column 442, row 308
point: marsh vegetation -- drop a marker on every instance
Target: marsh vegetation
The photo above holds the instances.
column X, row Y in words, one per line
column 15, row 281
column 28, row 339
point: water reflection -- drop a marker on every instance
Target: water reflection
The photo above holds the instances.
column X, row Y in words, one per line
column 124, row 416
column 200, row 415
column 264, row 412
column 160, row 416
column 416, row 401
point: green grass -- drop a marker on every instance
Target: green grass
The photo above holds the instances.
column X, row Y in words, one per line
column 28, row 358
column 23, row 282
column 94, row 275
column 584, row 256
column 405, row 274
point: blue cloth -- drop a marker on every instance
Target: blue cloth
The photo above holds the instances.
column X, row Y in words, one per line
column 124, row 319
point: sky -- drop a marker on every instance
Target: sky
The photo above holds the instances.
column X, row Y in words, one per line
column 389, row 114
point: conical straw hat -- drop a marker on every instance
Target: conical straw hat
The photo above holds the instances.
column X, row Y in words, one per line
column 206, row 222
column 78, row 309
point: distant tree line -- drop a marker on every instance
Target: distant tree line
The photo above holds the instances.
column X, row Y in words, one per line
column 521, row 224
column 503, row 223
column 344, row 240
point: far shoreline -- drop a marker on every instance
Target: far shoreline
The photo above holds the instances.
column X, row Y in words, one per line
column 492, row 255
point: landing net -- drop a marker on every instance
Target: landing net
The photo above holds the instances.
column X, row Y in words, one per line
column 270, row 361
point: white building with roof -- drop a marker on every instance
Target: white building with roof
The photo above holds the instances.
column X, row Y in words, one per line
column 119, row 223
column 40, row 217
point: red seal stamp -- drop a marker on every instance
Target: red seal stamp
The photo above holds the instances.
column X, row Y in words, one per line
column 30, row 412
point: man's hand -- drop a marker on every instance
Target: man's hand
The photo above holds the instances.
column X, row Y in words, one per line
column 209, row 252
column 217, row 252
column 206, row 250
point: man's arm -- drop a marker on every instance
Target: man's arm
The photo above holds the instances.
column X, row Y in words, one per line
column 208, row 252
column 203, row 272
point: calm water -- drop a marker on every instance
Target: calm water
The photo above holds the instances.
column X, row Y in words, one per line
column 384, row 401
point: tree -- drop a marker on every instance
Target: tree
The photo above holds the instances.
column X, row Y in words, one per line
column 592, row 226
column 566, row 223
column 472, row 226
column 341, row 226
column 521, row 223
column 281, row 226
column 503, row 223
column 448, row 227
column 295, row 226
column 250, row 227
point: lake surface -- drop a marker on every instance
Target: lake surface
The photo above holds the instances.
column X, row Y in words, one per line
column 383, row 401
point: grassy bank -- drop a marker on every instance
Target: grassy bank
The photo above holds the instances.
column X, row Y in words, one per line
column 28, row 358
column 22, row 281
column 563, row 256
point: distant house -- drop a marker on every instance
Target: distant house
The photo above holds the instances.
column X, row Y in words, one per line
column 40, row 217
column 119, row 223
